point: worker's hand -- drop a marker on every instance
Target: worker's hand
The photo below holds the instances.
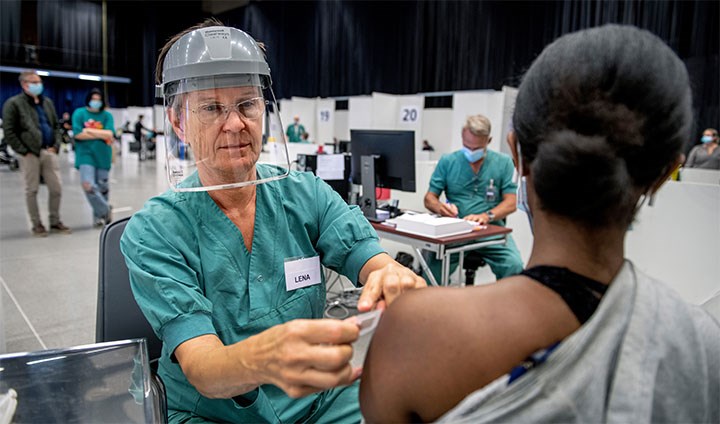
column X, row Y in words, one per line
column 481, row 219
column 52, row 150
column 384, row 285
column 448, row 209
column 307, row 356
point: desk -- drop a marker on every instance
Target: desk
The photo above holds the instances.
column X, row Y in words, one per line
column 103, row 382
column 443, row 247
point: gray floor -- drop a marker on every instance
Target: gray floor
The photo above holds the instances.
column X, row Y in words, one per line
column 49, row 285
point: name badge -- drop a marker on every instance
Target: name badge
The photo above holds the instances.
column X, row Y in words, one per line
column 301, row 273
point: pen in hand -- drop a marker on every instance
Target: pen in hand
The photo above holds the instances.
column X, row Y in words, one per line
column 451, row 209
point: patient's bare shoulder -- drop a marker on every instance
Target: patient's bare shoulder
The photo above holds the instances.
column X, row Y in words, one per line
column 435, row 346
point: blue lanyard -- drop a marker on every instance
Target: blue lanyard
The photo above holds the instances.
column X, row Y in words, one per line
column 531, row 362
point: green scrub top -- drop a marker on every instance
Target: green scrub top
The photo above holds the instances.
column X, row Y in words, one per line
column 92, row 152
column 294, row 133
column 191, row 274
column 468, row 190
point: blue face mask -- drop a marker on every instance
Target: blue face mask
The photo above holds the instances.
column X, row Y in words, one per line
column 35, row 89
column 522, row 198
column 473, row 155
column 95, row 104
column 522, row 202
column 706, row 138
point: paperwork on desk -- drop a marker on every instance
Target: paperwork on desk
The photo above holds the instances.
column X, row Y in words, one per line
column 432, row 226
column 330, row 167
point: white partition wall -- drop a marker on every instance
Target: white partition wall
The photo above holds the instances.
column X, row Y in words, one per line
column 360, row 113
column 305, row 109
column 410, row 116
column 384, row 111
column 342, row 126
column 286, row 112
column 437, row 130
column 677, row 240
column 487, row 102
column 324, row 121
column 509, row 96
column 117, row 115
column 132, row 112
column 697, row 175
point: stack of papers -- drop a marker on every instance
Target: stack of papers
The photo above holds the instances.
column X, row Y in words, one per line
column 432, row 226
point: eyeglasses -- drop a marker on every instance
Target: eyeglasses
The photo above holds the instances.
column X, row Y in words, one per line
column 210, row 113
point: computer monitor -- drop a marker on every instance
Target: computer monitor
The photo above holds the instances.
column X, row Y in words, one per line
column 381, row 158
column 343, row 146
column 308, row 163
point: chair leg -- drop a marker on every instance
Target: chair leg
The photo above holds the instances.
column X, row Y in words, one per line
column 469, row 277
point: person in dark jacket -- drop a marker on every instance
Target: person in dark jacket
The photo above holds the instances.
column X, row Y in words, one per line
column 30, row 124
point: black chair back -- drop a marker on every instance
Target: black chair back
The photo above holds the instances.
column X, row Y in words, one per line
column 118, row 315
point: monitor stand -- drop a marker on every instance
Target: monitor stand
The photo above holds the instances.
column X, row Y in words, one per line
column 368, row 202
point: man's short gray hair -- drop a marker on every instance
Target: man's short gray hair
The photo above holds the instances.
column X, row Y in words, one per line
column 478, row 125
column 26, row 73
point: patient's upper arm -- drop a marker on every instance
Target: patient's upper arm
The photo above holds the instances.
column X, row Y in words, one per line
column 415, row 366
column 435, row 346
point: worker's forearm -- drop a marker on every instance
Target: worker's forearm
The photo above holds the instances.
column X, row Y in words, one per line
column 373, row 264
column 505, row 208
column 219, row 371
column 432, row 203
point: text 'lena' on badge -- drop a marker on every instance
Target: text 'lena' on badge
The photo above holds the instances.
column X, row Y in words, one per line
column 301, row 273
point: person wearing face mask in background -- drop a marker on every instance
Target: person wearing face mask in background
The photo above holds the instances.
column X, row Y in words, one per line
column 94, row 129
column 707, row 154
column 478, row 187
column 30, row 126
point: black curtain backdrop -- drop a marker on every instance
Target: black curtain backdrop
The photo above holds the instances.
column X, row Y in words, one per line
column 342, row 48
column 67, row 36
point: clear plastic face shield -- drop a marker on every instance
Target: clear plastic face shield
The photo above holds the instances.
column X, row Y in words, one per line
column 218, row 129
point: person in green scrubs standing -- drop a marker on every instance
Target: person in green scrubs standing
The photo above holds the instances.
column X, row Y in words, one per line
column 226, row 265
column 295, row 131
column 94, row 130
column 478, row 185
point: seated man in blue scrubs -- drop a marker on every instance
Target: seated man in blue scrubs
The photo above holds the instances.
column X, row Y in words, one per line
column 226, row 265
column 478, row 187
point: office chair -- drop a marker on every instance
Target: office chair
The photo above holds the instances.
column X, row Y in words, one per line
column 118, row 315
column 471, row 263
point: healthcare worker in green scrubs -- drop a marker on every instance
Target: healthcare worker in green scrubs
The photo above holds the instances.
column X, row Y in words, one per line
column 226, row 265
column 295, row 131
column 478, row 185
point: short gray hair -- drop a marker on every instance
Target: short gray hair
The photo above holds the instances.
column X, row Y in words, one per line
column 478, row 125
column 26, row 73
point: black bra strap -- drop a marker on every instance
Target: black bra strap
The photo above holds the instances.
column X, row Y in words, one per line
column 581, row 294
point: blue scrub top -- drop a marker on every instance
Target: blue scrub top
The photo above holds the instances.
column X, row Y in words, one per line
column 468, row 190
column 192, row 275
